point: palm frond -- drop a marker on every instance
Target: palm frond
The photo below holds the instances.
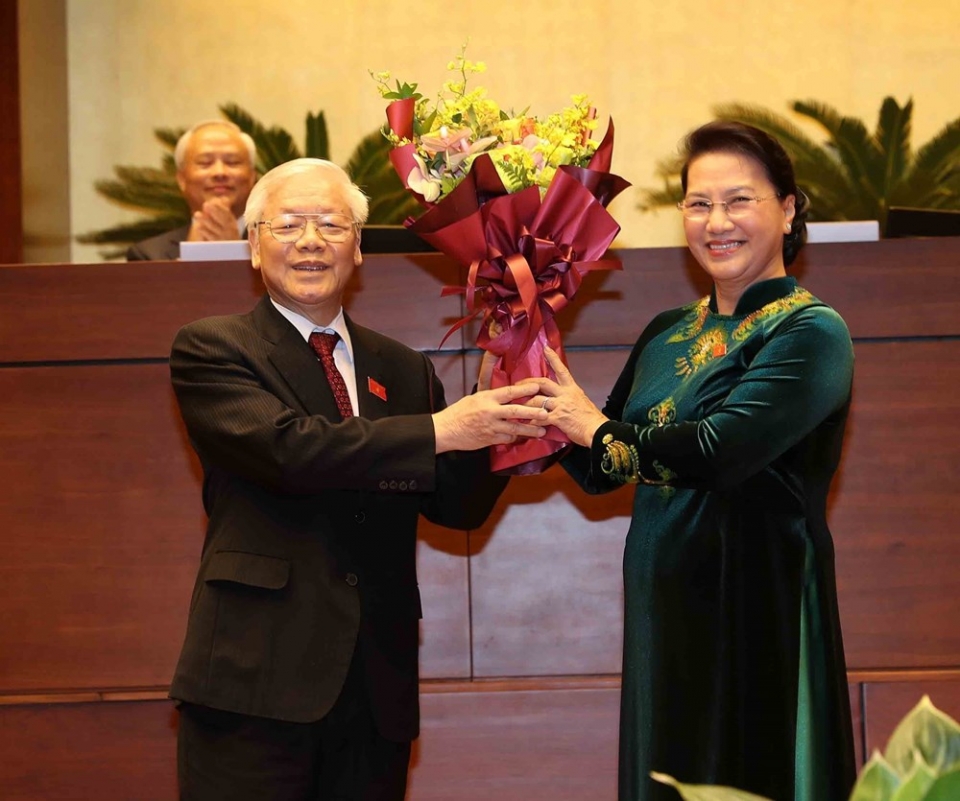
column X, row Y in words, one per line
column 127, row 233
column 370, row 157
column 168, row 137
column 924, row 189
column 370, row 168
column 317, row 143
column 893, row 138
column 941, row 155
column 855, row 147
column 392, row 208
column 794, row 141
column 145, row 188
column 670, row 195
column 827, row 189
column 274, row 145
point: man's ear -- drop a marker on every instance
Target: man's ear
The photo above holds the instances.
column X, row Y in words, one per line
column 181, row 181
column 253, row 238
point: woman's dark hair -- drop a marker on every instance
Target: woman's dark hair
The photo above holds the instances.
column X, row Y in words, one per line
column 735, row 137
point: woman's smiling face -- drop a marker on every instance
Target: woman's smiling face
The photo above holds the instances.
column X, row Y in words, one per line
column 736, row 252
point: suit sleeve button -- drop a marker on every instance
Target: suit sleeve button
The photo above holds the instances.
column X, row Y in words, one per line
column 384, row 485
column 403, row 485
column 393, row 485
column 352, row 579
column 360, row 517
column 412, row 484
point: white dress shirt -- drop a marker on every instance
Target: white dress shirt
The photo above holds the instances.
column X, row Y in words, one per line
column 342, row 353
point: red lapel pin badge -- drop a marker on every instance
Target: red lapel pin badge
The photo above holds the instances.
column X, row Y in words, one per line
column 376, row 388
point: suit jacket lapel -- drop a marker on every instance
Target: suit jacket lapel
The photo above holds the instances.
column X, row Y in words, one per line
column 295, row 361
column 372, row 381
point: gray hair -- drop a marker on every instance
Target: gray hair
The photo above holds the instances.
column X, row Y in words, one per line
column 180, row 152
column 357, row 201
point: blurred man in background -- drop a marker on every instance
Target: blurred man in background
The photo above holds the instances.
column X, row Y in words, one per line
column 216, row 169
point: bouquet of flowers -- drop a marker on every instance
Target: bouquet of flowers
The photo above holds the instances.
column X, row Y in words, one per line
column 518, row 200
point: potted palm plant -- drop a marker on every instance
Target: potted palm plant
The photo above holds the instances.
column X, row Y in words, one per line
column 154, row 193
column 855, row 174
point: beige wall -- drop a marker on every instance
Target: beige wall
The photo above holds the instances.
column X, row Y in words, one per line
column 655, row 67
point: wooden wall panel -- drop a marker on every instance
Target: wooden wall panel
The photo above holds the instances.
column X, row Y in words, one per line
column 891, row 288
column 132, row 311
column 101, row 523
column 545, row 571
column 857, row 718
column 108, row 751
column 443, row 570
column 895, row 507
column 887, row 702
column 100, row 526
column 400, row 295
column 53, row 312
column 894, row 288
column 511, row 744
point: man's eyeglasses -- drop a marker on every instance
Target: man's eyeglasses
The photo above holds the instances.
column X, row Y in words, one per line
column 290, row 227
column 740, row 206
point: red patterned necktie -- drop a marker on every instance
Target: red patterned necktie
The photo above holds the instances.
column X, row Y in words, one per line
column 323, row 345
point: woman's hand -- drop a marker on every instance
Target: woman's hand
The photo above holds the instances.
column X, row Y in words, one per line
column 485, row 377
column 489, row 360
column 568, row 406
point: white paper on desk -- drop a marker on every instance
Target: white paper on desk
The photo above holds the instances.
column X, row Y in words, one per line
column 231, row 250
column 845, row 231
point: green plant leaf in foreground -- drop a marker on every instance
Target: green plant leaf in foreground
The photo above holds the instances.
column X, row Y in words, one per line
column 706, row 792
column 878, row 781
column 921, row 763
column 926, row 731
column 914, row 787
column 945, row 788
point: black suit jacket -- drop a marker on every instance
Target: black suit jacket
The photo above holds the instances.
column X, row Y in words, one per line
column 163, row 247
column 311, row 542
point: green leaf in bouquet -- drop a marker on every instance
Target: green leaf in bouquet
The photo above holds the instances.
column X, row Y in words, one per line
column 404, row 91
column 926, row 732
column 424, row 127
column 706, row 792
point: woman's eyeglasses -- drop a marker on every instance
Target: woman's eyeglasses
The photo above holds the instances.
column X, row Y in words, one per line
column 740, row 206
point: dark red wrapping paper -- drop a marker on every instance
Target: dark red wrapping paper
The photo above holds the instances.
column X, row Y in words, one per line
column 526, row 258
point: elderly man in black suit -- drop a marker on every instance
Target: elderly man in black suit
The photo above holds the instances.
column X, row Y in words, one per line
column 216, row 169
column 298, row 676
